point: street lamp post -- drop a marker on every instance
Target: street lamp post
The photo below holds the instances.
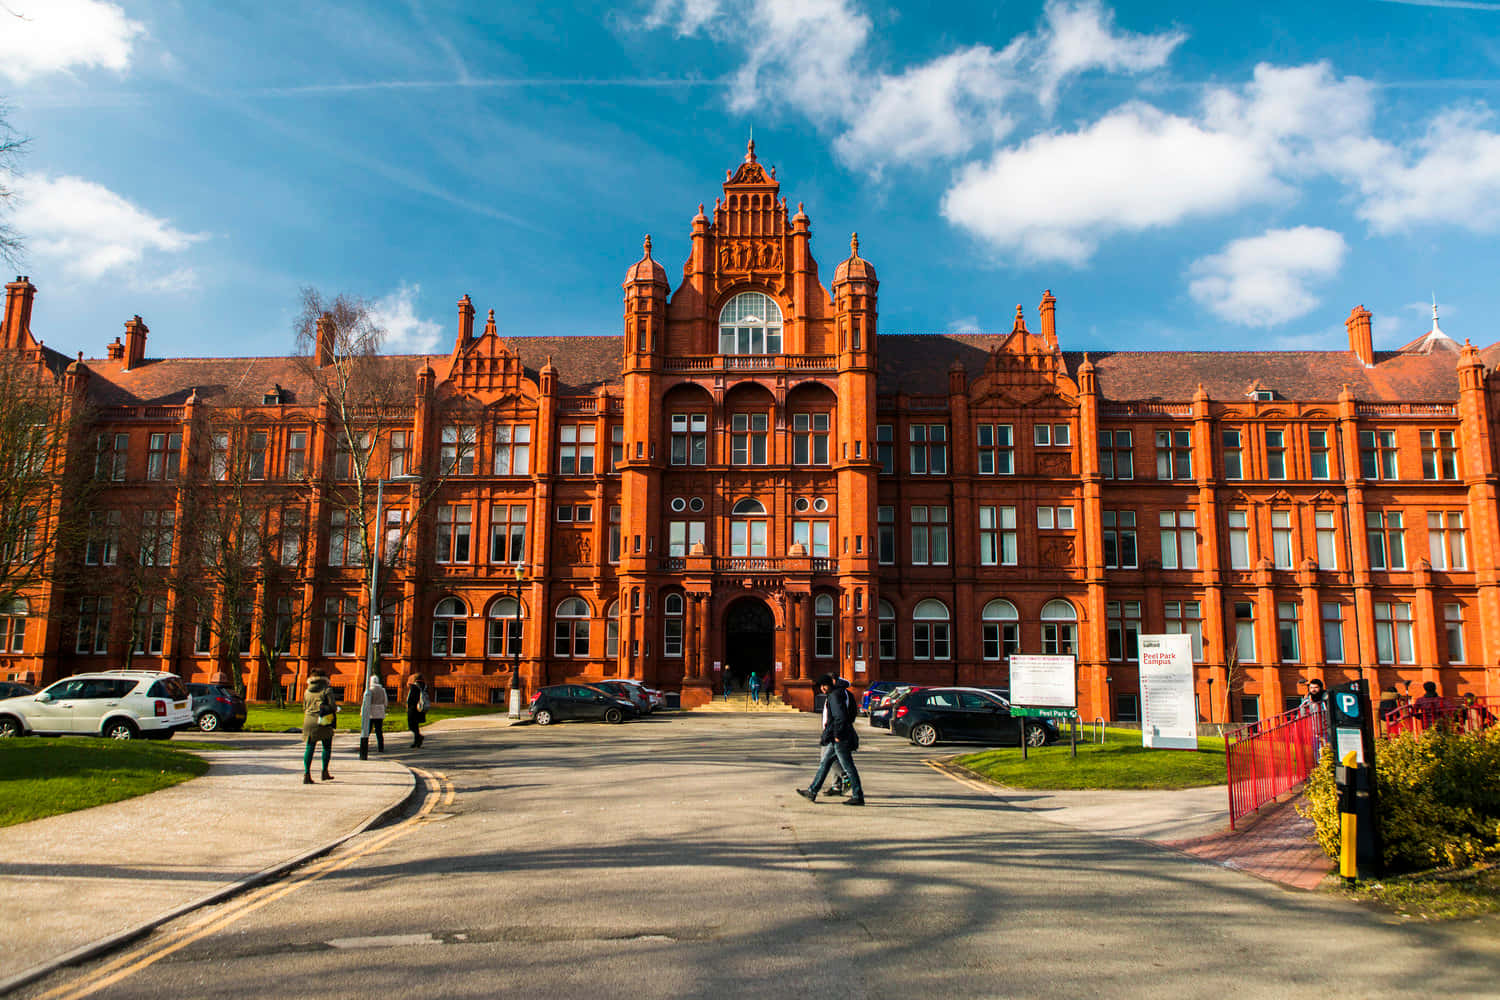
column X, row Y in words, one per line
column 372, row 646
column 515, row 653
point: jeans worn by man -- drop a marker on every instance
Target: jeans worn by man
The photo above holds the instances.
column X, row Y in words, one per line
column 839, row 740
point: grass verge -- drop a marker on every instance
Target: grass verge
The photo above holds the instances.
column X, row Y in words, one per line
column 1449, row 895
column 45, row 777
column 266, row 718
column 1120, row 762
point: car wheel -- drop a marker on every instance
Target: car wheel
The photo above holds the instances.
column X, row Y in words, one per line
column 10, row 727
column 208, row 722
column 924, row 734
column 613, row 715
column 1036, row 736
column 120, row 729
column 542, row 717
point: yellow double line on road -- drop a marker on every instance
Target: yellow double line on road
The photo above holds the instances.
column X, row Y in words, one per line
column 440, row 793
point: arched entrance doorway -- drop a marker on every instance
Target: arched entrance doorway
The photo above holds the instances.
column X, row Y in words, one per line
column 749, row 641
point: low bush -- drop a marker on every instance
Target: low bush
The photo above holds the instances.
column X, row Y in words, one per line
column 1438, row 795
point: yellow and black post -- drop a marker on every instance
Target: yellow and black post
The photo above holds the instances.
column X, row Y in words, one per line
column 1351, row 731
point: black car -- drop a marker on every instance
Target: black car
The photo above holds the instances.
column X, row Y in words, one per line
column 216, row 706
column 579, row 701
column 934, row 715
column 14, row 689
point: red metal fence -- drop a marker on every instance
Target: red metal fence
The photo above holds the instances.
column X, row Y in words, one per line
column 1270, row 757
column 1275, row 756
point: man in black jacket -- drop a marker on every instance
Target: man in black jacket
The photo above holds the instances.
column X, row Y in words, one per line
column 839, row 740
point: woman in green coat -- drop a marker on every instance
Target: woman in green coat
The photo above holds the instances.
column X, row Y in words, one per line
column 319, row 711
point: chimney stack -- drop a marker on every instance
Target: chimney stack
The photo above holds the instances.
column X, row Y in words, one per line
column 1360, row 341
column 465, row 323
column 19, row 295
column 135, row 342
column 114, row 351
column 1048, row 311
column 324, row 351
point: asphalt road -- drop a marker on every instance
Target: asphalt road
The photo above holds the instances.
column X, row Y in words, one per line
column 671, row 858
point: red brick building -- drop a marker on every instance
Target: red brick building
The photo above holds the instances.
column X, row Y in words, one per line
column 753, row 477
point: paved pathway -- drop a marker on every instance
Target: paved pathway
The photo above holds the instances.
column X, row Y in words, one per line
column 72, row 880
column 670, row 858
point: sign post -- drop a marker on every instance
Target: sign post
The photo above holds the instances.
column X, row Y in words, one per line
column 1169, row 718
column 1042, row 687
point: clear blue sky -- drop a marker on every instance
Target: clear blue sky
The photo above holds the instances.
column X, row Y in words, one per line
column 1178, row 173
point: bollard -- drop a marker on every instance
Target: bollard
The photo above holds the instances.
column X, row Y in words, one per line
column 1348, row 823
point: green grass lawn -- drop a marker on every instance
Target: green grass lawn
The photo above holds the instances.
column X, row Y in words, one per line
column 44, row 777
column 1120, row 762
column 267, row 718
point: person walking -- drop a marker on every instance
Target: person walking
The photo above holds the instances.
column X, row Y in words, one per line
column 755, row 687
column 319, row 713
column 839, row 740
column 416, row 708
column 377, row 699
column 728, row 683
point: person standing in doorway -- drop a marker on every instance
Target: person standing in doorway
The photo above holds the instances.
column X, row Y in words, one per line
column 416, row 709
column 839, row 740
column 319, row 713
column 754, row 687
column 378, row 700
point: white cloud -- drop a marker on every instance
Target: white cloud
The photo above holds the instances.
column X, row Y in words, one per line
column 405, row 331
column 940, row 109
column 964, row 324
column 90, row 231
column 1057, row 195
column 1264, row 280
column 1080, row 36
column 52, row 36
column 1451, row 174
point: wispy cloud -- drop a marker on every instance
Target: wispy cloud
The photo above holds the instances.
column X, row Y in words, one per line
column 473, row 83
column 1457, row 4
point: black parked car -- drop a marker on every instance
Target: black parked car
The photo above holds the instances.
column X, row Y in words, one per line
column 216, row 706
column 579, row 701
column 934, row 715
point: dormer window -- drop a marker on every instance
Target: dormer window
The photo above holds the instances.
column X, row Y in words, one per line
column 1263, row 395
column 750, row 324
column 273, row 396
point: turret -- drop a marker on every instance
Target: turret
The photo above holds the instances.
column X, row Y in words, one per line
column 646, row 290
column 855, row 290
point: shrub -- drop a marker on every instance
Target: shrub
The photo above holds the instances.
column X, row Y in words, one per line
column 1439, row 799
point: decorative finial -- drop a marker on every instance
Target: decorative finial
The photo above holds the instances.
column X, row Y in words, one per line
column 799, row 208
column 646, row 246
column 700, row 208
column 750, row 148
column 492, row 315
column 1434, row 308
column 853, row 240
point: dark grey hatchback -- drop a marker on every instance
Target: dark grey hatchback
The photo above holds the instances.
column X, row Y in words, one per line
column 216, row 706
column 579, row 701
column 935, row 715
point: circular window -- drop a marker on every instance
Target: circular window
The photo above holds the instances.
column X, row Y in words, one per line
column 800, row 505
column 696, row 503
column 679, row 504
column 820, row 505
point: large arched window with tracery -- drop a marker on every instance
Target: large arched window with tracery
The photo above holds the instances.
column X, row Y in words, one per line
column 450, row 628
column 570, row 636
column 1001, row 630
column 750, row 323
column 503, row 630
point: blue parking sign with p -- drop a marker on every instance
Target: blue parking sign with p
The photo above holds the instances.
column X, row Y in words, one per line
column 1348, row 704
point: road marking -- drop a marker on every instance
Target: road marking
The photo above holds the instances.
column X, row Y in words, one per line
column 946, row 771
column 149, row 954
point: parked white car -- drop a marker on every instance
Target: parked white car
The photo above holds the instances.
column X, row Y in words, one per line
column 654, row 698
column 119, row 704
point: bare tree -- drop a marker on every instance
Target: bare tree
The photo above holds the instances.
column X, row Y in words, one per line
column 11, row 146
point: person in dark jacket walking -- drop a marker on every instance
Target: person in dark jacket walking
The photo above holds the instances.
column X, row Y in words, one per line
column 319, row 711
column 416, row 709
column 839, row 740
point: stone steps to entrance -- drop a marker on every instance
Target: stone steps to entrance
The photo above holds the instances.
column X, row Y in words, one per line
column 739, row 701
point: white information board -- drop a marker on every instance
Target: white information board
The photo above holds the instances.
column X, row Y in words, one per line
column 1169, row 710
column 1043, row 681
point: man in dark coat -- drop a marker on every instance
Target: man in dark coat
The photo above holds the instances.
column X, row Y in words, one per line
column 839, row 740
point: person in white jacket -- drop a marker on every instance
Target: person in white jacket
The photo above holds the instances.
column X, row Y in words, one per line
column 376, row 698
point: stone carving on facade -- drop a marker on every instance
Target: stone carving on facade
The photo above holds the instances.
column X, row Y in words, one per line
column 1057, row 465
column 1058, row 553
column 745, row 256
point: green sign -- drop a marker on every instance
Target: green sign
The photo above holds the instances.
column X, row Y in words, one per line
column 1043, row 713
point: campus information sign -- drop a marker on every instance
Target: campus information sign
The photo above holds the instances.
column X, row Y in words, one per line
column 1043, row 686
column 1169, row 719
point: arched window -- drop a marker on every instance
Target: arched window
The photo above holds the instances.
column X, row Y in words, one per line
column 929, row 631
column 823, row 609
column 570, row 636
column 612, row 631
column 750, row 323
column 450, row 628
column 748, row 538
column 671, row 609
column 1059, row 629
column 503, row 633
column 13, row 625
column 887, row 632
column 1001, row 630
